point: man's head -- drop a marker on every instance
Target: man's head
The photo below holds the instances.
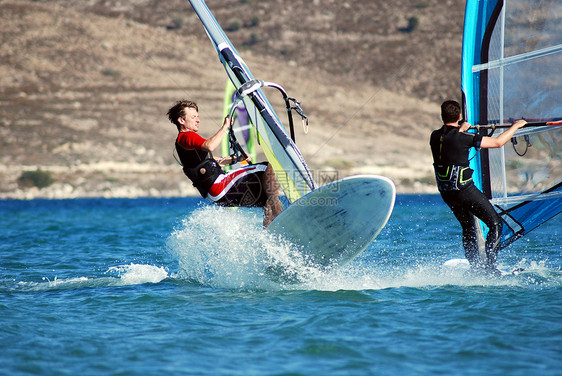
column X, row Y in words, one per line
column 450, row 111
column 177, row 113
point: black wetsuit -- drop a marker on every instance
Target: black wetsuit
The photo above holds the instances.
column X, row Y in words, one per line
column 454, row 180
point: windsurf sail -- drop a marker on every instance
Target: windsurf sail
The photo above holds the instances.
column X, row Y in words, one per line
column 244, row 132
column 282, row 153
column 511, row 69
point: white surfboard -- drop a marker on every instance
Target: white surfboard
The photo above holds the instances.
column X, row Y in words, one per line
column 336, row 222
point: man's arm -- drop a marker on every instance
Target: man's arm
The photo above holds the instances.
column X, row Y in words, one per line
column 214, row 141
column 464, row 127
column 501, row 140
column 223, row 161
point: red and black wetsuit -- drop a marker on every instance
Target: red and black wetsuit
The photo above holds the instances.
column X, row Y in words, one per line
column 240, row 187
column 454, row 180
column 198, row 165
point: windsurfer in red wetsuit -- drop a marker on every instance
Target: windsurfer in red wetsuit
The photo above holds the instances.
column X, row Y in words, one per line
column 450, row 146
column 253, row 185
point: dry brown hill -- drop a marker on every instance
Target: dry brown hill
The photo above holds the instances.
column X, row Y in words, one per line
column 84, row 86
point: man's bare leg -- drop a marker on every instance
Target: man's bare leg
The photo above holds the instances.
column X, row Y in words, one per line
column 272, row 207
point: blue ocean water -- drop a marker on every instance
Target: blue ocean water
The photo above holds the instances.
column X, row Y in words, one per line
column 175, row 286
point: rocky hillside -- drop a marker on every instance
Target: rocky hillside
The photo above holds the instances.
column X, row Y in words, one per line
column 84, row 86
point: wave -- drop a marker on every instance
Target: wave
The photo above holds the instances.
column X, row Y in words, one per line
column 228, row 248
column 132, row 274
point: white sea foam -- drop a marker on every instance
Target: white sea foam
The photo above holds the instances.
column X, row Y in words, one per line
column 134, row 274
column 228, row 248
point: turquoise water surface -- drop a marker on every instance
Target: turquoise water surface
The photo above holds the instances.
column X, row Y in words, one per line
column 175, row 286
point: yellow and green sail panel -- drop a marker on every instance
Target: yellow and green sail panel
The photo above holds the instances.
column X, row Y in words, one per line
column 243, row 130
column 282, row 153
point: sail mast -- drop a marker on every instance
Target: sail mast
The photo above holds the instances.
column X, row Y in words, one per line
column 282, row 153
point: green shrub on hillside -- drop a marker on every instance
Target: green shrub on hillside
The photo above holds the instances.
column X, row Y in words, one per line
column 38, row 178
column 252, row 22
column 413, row 23
column 255, row 38
column 234, row 25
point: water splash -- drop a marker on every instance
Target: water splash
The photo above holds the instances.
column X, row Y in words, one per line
column 225, row 247
column 228, row 248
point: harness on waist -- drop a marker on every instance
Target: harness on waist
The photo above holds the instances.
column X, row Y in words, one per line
column 203, row 175
column 452, row 177
column 200, row 167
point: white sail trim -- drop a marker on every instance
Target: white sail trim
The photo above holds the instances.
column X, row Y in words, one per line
column 514, row 200
column 517, row 58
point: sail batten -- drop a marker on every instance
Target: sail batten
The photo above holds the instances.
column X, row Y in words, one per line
column 519, row 199
column 512, row 54
column 517, row 59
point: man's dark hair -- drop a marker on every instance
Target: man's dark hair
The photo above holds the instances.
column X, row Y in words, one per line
column 450, row 111
column 177, row 111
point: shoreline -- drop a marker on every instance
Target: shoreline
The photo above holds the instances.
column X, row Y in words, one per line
column 164, row 197
column 138, row 180
column 63, row 191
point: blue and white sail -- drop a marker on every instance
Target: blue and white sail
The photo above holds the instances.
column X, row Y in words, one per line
column 280, row 150
column 512, row 69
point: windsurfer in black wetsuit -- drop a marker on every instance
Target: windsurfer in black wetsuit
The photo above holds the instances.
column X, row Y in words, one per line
column 450, row 146
column 253, row 185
